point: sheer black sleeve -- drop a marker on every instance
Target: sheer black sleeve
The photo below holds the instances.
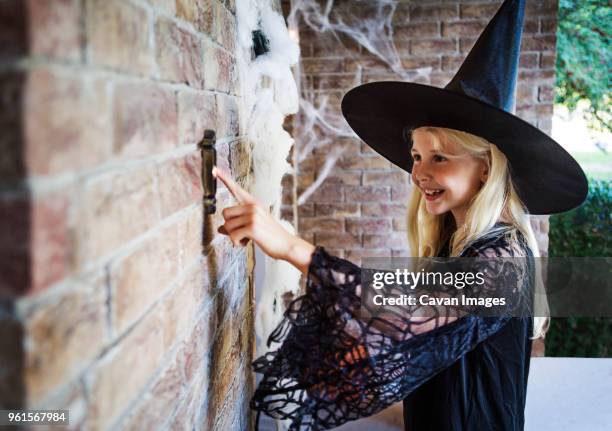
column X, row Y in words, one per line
column 336, row 364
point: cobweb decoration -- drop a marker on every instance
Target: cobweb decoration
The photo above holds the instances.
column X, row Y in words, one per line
column 319, row 125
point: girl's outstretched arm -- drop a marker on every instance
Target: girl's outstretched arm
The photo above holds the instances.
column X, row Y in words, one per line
column 249, row 220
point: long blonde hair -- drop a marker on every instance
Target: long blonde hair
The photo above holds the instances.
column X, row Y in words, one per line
column 496, row 200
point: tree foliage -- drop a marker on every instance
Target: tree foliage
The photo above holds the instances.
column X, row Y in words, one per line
column 584, row 58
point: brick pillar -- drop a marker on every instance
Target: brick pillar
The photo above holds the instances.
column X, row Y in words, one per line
column 119, row 301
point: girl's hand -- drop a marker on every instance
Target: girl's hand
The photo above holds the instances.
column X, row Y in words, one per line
column 249, row 220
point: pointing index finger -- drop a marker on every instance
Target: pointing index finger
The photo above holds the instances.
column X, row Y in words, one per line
column 238, row 192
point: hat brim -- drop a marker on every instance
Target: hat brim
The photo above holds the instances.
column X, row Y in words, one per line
column 547, row 178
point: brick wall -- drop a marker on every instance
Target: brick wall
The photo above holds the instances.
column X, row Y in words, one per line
column 360, row 209
column 118, row 302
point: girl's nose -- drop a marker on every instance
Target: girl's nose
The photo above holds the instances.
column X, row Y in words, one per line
column 420, row 173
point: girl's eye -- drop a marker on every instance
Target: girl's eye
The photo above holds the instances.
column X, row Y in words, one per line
column 439, row 158
column 416, row 157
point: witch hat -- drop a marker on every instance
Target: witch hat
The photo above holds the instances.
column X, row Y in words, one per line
column 478, row 100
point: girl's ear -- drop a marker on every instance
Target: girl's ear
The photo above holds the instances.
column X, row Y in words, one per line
column 485, row 174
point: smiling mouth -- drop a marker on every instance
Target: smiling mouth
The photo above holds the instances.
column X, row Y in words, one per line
column 432, row 194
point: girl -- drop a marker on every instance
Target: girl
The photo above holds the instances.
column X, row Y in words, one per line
column 455, row 201
column 476, row 175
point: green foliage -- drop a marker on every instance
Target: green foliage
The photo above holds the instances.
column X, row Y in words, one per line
column 583, row 337
column 584, row 231
column 584, row 59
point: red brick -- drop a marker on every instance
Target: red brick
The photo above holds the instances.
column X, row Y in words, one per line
column 306, row 210
column 337, row 210
column 528, row 60
column 182, row 307
column 228, row 124
column 55, row 331
column 116, row 208
column 326, row 45
column 190, row 232
column 525, row 93
column 51, row 238
column 66, row 122
column 145, row 120
column 325, row 65
column 134, row 285
column 383, row 209
column 363, row 162
column 548, row 26
column 536, row 75
column 240, row 157
column 330, row 82
column 400, row 194
column 399, row 224
column 409, row 31
column 55, row 28
column 326, row 193
column 346, row 178
column 434, row 12
column 161, row 401
column 132, row 362
column 547, row 60
column 179, row 183
column 365, row 64
column 544, row 110
column 545, row 42
column 541, row 8
column 401, row 15
column 420, row 62
column 321, row 224
column 384, row 178
column 384, row 241
column 118, row 36
column 304, row 179
column 478, row 10
column 367, row 194
column 219, row 69
column 546, row 93
column 342, row 240
column 199, row 13
column 466, row 44
column 530, row 27
column 197, row 112
column 179, row 54
column 452, row 62
column 433, row 46
column 225, row 30
column 12, row 164
column 368, row 225
column 463, row 28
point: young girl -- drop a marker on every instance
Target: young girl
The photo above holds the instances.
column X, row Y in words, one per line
column 462, row 204
column 476, row 177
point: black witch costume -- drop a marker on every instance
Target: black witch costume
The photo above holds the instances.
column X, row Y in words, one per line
column 333, row 366
column 457, row 369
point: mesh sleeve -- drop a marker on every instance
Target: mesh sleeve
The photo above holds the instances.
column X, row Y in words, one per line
column 336, row 363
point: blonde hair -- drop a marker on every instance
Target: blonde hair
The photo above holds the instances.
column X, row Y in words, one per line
column 496, row 200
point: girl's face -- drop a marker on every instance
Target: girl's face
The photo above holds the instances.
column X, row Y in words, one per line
column 448, row 184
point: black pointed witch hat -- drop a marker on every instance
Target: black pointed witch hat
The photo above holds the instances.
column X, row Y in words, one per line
column 478, row 100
